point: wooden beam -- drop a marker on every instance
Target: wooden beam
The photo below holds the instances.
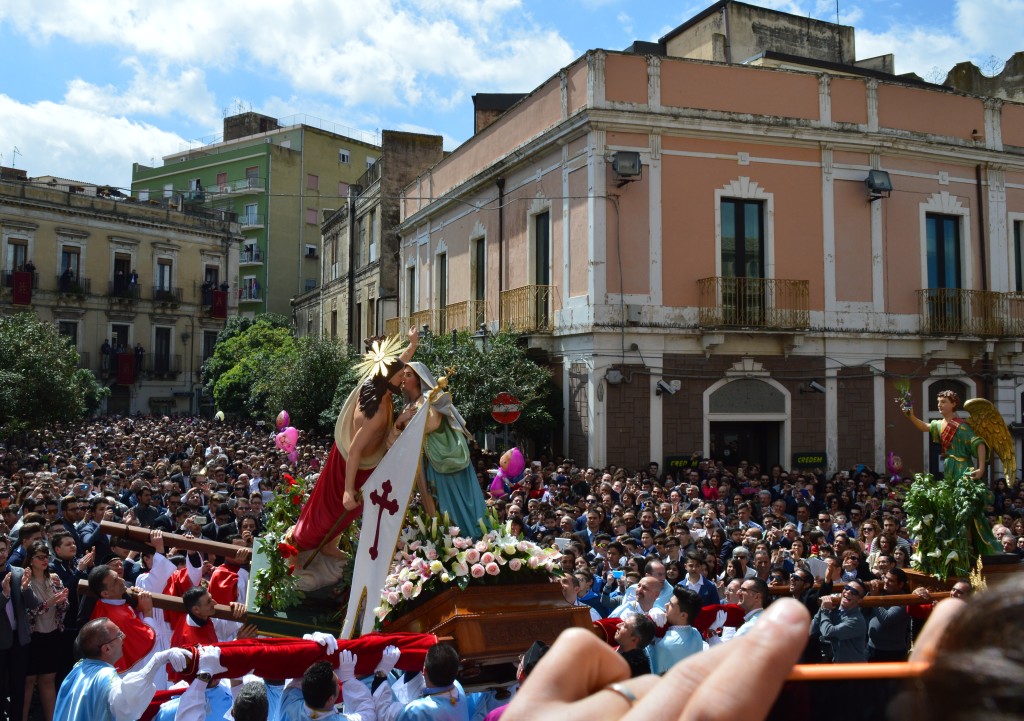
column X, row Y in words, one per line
column 171, row 540
column 168, row 602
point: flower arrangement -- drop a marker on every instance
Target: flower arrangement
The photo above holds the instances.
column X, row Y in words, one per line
column 941, row 515
column 903, row 398
column 432, row 556
column 275, row 586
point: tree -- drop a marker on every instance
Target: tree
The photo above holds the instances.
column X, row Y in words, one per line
column 304, row 384
column 250, row 351
column 40, row 382
column 480, row 376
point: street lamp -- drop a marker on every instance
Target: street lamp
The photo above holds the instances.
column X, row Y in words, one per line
column 480, row 338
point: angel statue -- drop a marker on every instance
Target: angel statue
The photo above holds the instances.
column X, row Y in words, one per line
column 964, row 439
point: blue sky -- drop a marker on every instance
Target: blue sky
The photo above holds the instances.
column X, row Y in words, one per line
column 89, row 88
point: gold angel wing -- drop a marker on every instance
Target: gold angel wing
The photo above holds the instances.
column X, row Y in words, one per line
column 987, row 423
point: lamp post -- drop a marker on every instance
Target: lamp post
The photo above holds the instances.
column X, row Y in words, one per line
column 480, row 338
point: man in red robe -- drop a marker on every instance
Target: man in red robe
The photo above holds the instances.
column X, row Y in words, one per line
column 114, row 602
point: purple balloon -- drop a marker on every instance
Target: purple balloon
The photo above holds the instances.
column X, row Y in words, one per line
column 283, row 420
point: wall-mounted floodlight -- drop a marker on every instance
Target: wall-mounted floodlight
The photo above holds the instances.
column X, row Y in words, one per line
column 879, row 185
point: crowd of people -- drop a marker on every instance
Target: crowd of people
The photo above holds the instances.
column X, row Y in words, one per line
column 670, row 564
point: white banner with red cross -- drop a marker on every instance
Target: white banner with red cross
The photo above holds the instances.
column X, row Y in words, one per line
column 386, row 496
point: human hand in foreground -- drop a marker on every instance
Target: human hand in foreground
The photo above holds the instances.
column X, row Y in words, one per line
column 329, row 642
column 347, row 665
column 388, row 659
column 209, row 660
column 573, row 679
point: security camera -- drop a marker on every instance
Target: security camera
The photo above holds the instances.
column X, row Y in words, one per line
column 817, row 387
column 664, row 387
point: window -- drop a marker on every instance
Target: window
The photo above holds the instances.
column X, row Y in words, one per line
column 742, row 261
column 310, row 251
column 312, row 182
column 478, row 279
column 410, row 289
column 162, row 349
column 441, row 268
column 164, row 267
column 120, row 336
column 209, row 343
column 311, row 216
column 250, row 289
column 372, row 232
column 1018, row 242
column 70, row 259
column 68, row 329
column 369, row 162
column 943, row 233
column 17, row 253
column 542, row 248
column 342, row 189
column 250, row 215
column 343, row 155
column 371, row 317
column 252, row 176
column 358, row 336
column 168, row 190
column 143, row 195
column 222, row 178
column 310, row 284
column 334, row 324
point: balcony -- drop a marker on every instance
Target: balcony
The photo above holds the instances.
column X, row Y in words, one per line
column 250, row 295
column 982, row 313
column 9, row 279
column 167, row 295
column 73, row 286
column 768, row 303
column 161, row 366
column 243, row 186
column 250, row 255
column 252, row 221
column 466, row 315
column 393, row 326
column 433, row 319
column 528, row 309
column 122, row 291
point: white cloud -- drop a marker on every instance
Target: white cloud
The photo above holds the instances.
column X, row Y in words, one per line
column 995, row 25
column 156, row 93
column 385, row 52
column 72, row 142
column 917, row 50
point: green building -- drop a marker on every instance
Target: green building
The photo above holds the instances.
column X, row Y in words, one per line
column 277, row 177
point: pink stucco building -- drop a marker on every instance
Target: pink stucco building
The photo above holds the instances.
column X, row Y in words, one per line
column 705, row 222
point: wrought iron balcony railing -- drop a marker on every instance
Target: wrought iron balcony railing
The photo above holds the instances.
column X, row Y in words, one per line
column 466, row 315
column 753, row 303
column 957, row 311
column 529, row 309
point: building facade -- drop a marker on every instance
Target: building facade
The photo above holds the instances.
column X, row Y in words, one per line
column 738, row 257
column 278, row 177
column 360, row 246
column 123, row 281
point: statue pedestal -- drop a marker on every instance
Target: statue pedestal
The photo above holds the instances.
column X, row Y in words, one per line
column 493, row 625
column 995, row 569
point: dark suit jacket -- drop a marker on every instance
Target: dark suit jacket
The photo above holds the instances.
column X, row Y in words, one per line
column 20, row 617
column 92, row 537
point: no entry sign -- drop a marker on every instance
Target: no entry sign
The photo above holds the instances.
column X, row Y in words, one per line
column 505, row 408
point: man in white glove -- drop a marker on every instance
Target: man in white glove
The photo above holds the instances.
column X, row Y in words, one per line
column 195, row 704
column 384, row 703
column 314, row 695
column 94, row 690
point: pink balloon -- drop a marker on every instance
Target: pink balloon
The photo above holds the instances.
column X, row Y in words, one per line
column 287, row 439
column 293, row 456
column 283, row 419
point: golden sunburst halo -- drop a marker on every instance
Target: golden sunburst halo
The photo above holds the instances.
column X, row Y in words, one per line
column 381, row 355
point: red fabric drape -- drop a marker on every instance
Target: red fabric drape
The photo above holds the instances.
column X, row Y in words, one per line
column 219, row 307
column 21, row 292
column 325, row 506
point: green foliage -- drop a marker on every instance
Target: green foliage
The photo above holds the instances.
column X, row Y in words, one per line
column 346, row 382
column 942, row 516
column 40, row 382
column 479, row 377
column 274, row 585
column 304, row 384
column 246, row 355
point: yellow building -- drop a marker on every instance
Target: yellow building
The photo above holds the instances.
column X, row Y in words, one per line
column 138, row 277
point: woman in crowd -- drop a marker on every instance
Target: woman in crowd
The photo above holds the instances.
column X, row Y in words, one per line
column 47, row 622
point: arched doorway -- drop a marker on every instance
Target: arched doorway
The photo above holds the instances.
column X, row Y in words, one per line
column 747, row 419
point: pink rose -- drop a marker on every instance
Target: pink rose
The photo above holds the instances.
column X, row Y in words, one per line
column 393, row 598
column 407, row 589
column 453, row 531
column 477, row 571
column 487, row 558
column 461, row 543
column 472, row 555
column 515, row 564
column 492, row 569
column 431, row 554
column 481, row 546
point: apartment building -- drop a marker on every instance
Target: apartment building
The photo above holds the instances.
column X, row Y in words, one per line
column 278, row 177
column 734, row 241
column 135, row 286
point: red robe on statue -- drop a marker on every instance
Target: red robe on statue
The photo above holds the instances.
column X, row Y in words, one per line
column 139, row 638
column 325, row 505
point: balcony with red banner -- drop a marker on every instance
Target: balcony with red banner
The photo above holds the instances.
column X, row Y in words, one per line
column 21, row 283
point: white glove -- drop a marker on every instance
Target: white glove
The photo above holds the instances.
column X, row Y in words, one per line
column 347, row 666
column 209, row 660
column 388, row 660
column 329, row 642
column 719, row 621
column 658, row 616
column 178, row 658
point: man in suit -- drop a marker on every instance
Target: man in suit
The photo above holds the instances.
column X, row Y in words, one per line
column 14, row 639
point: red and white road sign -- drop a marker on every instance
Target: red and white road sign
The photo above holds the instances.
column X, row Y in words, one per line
column 505, row 408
